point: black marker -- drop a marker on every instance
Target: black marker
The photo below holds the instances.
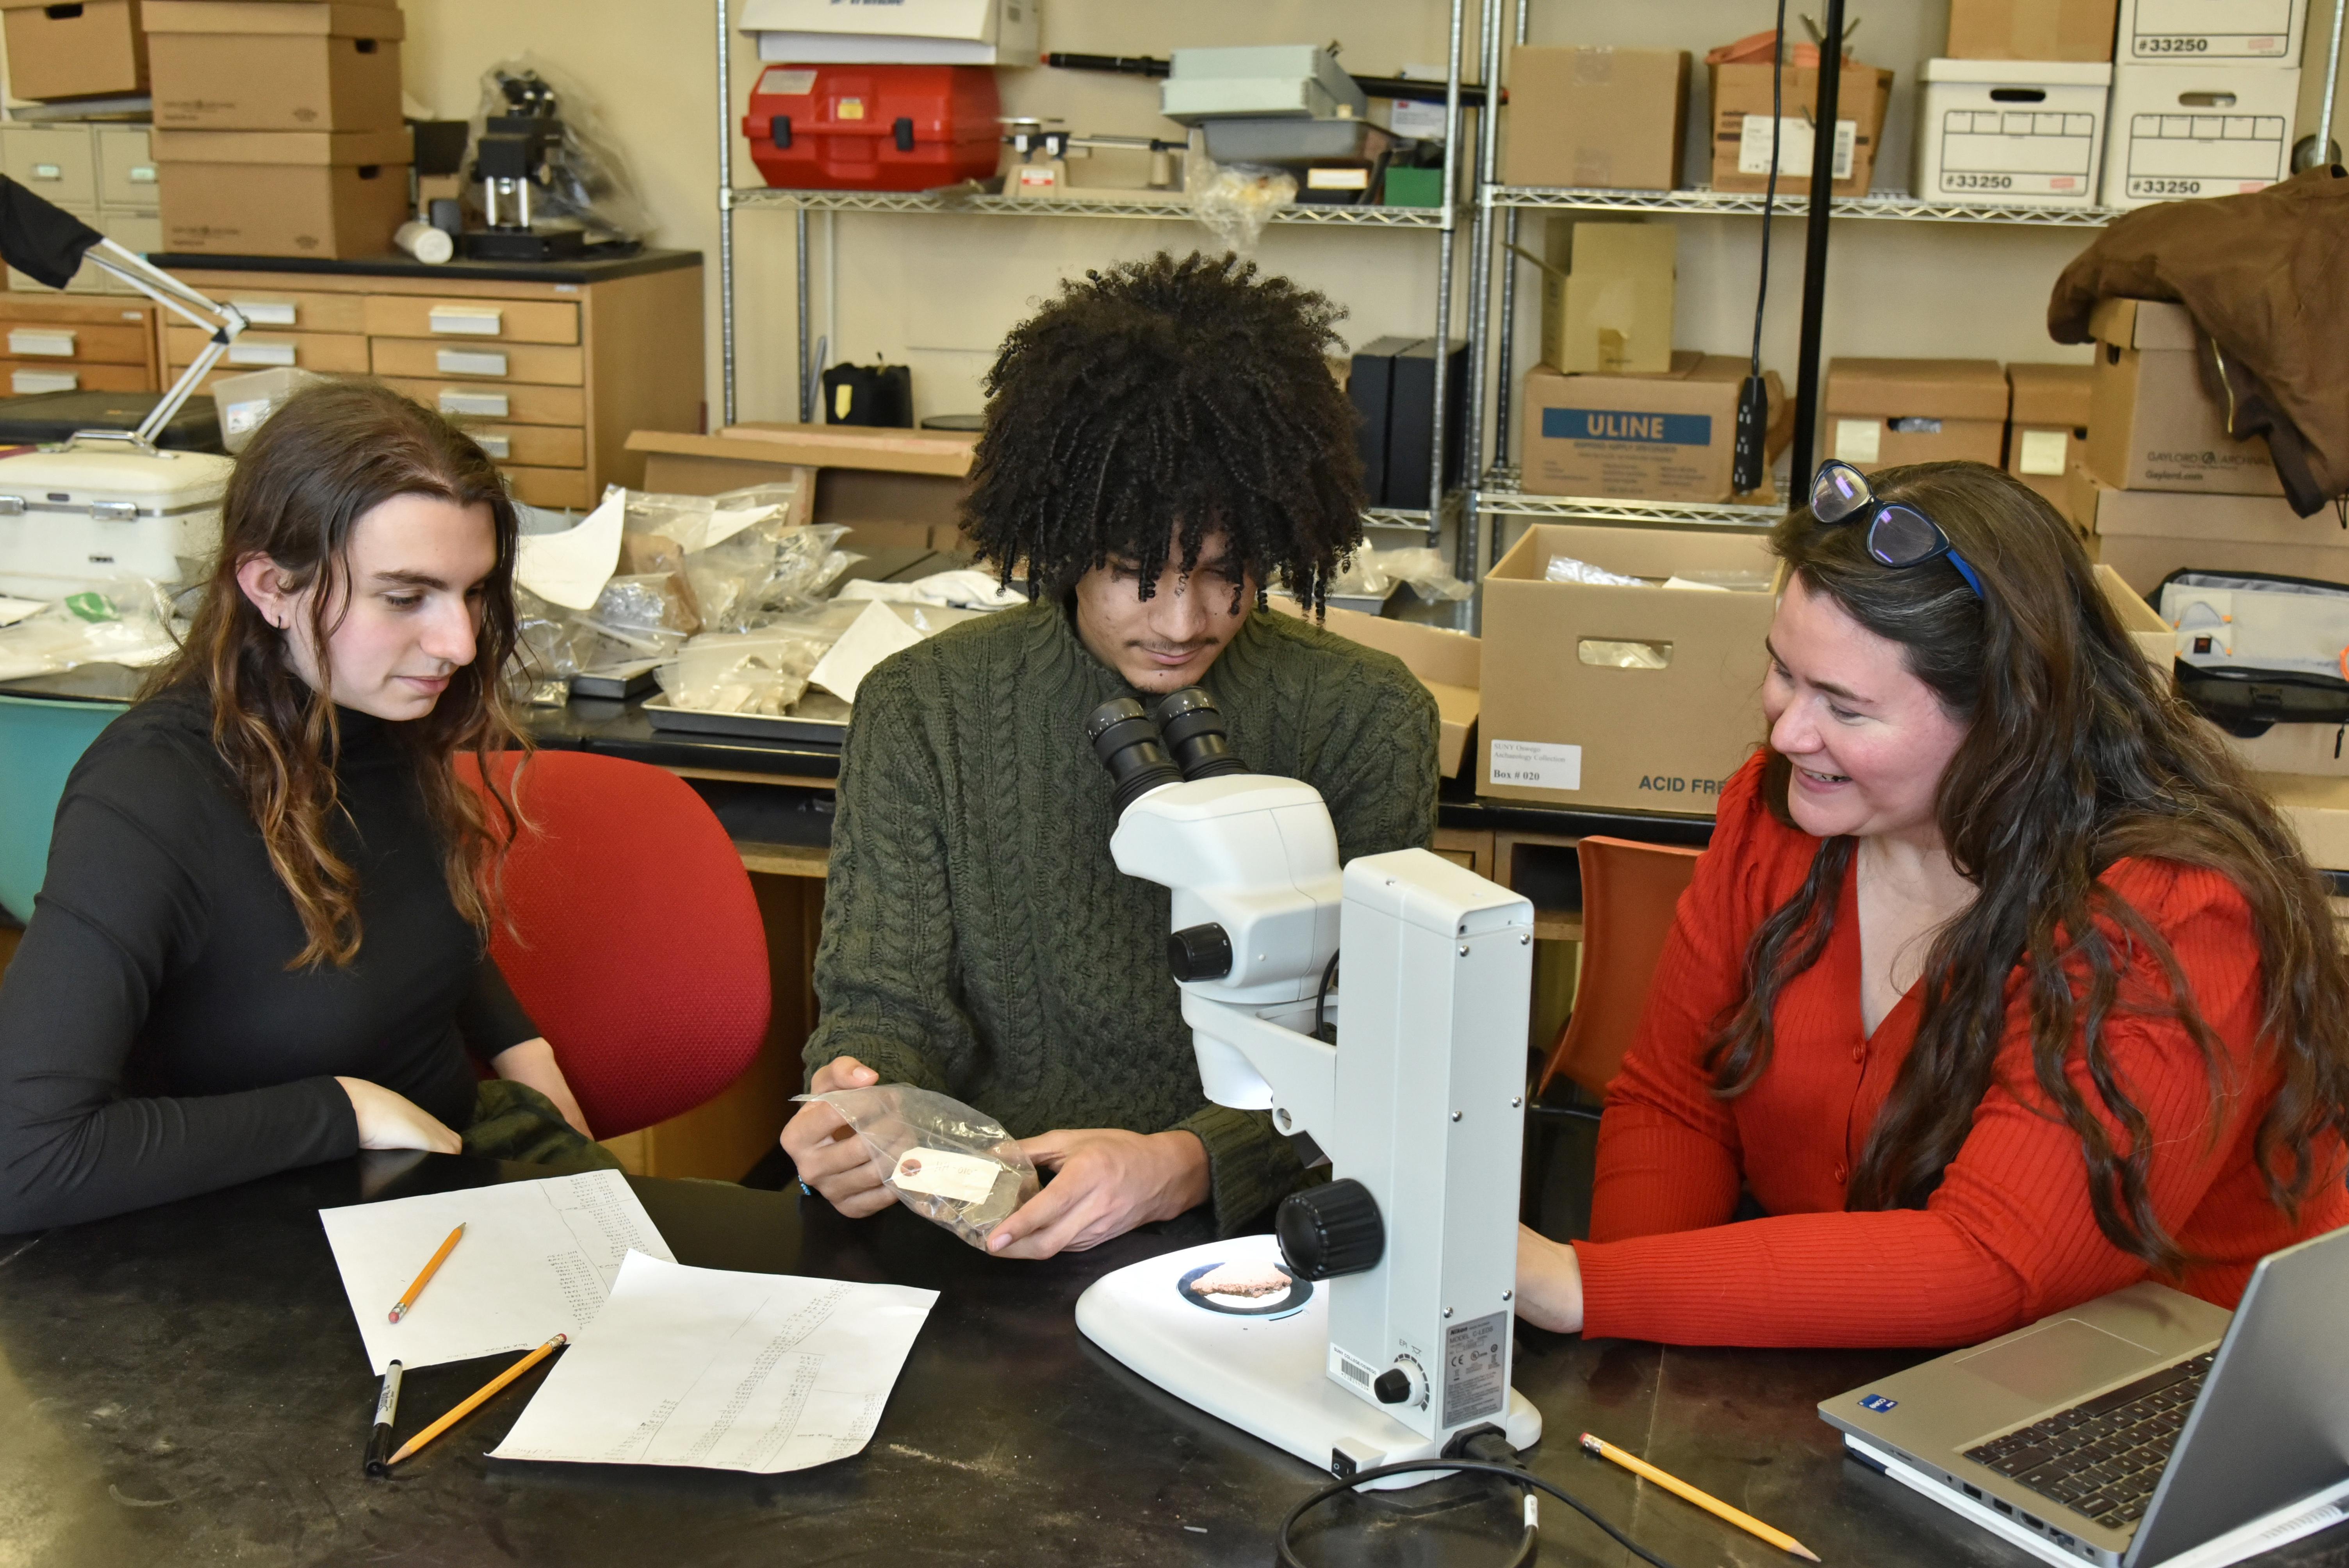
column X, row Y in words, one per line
column 387, row 1405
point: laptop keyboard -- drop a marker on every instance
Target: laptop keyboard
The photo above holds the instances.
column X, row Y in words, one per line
column 2103, row 1457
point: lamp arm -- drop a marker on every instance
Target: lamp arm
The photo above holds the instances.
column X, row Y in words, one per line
column 223, row 322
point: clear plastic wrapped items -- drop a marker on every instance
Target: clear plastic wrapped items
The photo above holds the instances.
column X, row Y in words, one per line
column 744, row 672
column 948, row 1163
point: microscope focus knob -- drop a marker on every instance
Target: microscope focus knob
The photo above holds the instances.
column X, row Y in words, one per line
column 1330, row 1230
column 1401, row 1383
column 1200, row 953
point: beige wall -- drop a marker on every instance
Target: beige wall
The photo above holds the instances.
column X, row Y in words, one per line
column 937, row 292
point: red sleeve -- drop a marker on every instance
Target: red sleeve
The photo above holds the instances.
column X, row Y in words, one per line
column 2009, row 1235
column 1669, row 1159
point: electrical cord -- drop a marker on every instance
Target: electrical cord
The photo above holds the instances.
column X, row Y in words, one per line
column 1321, row 997
column 1770, row 190
column 1528, row 1544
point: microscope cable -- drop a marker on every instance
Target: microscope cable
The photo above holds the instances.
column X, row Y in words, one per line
column 1528, row 1545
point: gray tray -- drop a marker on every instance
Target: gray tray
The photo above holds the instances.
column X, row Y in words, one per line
column 818, row 717
column 1293, row 140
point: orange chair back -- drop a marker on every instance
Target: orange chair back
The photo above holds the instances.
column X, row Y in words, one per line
column 641, row 954
column 1630, row 892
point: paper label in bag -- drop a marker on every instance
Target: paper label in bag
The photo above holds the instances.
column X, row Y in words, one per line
column 1794, row 147
column 965, row 1178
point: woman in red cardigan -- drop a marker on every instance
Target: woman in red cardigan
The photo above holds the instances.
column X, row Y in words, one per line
column 2000, row 987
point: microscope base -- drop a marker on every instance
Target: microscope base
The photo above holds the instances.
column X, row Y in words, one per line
column 1258, row 1362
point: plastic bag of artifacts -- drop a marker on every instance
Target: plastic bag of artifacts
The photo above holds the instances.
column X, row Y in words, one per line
column 743, row 556
column 948, row 1163
column 127, row 620
column 1567, row 569
column 762, row 672
column 1235, row 200
column 1373, row 573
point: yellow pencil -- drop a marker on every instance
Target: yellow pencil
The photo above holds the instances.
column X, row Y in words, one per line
column 1680, row 1489
column 400, row 1309
column 468, row 1408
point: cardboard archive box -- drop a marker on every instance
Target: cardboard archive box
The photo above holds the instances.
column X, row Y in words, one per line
column 1607, row 289
column 1447, row 663
column 2146, row 535
column 2046, row 427
column 2182, row 131
column 338, row 193
column 92, row 49
column 1741, row 127
column 2152, row 424
column 2031, row 29
column 2183, row 32
column 263, row 64
column 2318, row 811
column 1643, row 438
column 1644, row 698
column 2019, row 132
column 1885, row 412
column 2142, row 623
column 1609, row 118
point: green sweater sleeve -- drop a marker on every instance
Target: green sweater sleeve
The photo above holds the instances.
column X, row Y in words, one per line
column 885, row 966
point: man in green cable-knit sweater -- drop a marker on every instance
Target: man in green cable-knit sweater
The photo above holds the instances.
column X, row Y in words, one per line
column 1162, row 442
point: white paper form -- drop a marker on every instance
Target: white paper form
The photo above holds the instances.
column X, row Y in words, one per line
column 537, row 1259
column 725, row 1371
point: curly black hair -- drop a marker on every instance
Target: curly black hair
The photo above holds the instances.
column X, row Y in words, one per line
column 1154, row 404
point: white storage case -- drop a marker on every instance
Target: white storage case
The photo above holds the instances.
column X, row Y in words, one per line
column 77, row 518
column 2015, row 132
column 1272, row 81
column 2187, row 32
column 2180, row 132
column 895, row 33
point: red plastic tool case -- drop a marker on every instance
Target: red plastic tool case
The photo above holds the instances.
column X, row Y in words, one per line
column 874, row 128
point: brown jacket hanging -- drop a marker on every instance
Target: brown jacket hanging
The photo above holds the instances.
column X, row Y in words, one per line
column 2266, row 278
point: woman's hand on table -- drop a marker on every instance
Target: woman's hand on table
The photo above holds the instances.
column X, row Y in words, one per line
column 390, row 1120
column 1549, row 1283
column 829, row 1157
column 1106, row 1183
column 531, row 1064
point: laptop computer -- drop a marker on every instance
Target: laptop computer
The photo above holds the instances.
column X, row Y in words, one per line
column 2137, row 1426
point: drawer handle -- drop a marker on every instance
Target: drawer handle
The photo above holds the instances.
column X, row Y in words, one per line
column 498, row 446
column 48, row 171
column 468, row 320
column 23, row 383
column 491, row 405
column 56, row 344
column 469, row 362
column 261, row 354
column 140, row 174
column 266, row 312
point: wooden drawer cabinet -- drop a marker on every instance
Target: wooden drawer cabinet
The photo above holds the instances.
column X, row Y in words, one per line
column 24, row 376
column 553, row 368
column 500, row 321
column 103, row 345
column 86, row 343
column 538, row 363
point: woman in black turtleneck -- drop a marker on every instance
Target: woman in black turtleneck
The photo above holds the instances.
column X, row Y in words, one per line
column 260, row 941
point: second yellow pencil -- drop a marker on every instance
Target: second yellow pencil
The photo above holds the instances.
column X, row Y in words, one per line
column 1706, row 1501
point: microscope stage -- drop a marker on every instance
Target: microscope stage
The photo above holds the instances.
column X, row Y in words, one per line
column 1254, row 1356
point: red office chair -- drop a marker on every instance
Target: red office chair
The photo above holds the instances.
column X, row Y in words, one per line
column 1628, row 894
column 641, row 954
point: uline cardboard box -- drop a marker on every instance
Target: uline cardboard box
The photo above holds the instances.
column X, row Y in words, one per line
column 2152, row 423
column 1881, row 412
column 1645, row 698
column 87, row 50
column 2183, row 131
column 2187, row 32
column 1607, row 296
column 1647, row 438
column 2146, row 535
column 2046, row 427
column 1608, row 118
column 338, row 194
column 264, row 64
column 2031, row 29
column 1741, row 127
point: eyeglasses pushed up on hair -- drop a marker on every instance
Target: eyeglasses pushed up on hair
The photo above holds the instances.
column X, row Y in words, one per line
column 1898, row 535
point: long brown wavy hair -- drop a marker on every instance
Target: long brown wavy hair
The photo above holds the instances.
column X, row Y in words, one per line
column 2076, row 755
column 319, row 465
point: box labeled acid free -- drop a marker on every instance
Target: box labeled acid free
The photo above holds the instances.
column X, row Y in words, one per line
column 2153, row 425
column 1646, row 438
column 2182, row 32
column 1881, row 412
column 2184, row 131
column 1605, row 119
column 1641, row 698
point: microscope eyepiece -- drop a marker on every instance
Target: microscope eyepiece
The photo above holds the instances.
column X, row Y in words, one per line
column 1131, row 748
column 1194, row 727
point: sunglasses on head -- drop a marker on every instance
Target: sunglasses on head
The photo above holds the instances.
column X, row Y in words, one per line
column 1898, row 535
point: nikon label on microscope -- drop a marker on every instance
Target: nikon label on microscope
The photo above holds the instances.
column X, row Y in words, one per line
column 1476, row 1368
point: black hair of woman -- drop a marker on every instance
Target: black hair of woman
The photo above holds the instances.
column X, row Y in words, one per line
column 1154, row 404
